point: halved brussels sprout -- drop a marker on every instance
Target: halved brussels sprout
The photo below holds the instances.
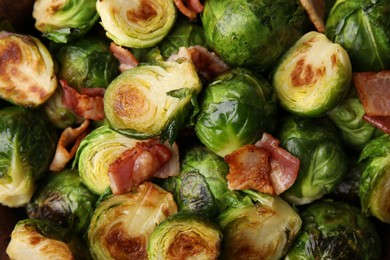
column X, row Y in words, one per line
column 64, row 20
column 87, row 63
column 235, row 109
column 44, row 239
column 185, row 236
column 264, row 230
column 152, row 99
column 323, row 159
column 252, row 33
column 27, row 75
column 137, row 24
column 374, row 189
column 313, row 76
column 361, row 27
column 335, row 230
column 122, row 224
column 28, row 143
column 62, row 198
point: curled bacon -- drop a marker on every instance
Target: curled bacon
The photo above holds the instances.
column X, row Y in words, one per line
column 190, row 8
column 124, row 56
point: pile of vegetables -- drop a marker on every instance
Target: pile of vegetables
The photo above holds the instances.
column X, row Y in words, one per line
column 216, row 129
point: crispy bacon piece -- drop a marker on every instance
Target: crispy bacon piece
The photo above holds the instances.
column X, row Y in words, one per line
column 146, row 160
column 380, row 122
column 67, row 145
column 87, row 104
column 190, row 8
column 263, row 166
column 316, row 11
column 124, row 56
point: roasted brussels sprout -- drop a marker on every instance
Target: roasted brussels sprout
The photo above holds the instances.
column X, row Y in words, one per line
column 44, row 239
column 27, row 146
column 122, row 224
column 137, row 24
column 65, row 20
column 313, row 76
column 263, row 230
column 374, row 189
column 252, row 33
column 87, row 63
column 235, row 109
column 152, row 99
column 361, row 27
column 323, row 159
column 62, row 198
column 335, row 230
column 27, row 75
column 185, row 236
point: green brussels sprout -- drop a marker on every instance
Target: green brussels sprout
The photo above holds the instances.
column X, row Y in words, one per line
column 374, row 189
column 323, row 159
column 27, row 146
column 361, row 27
column 252, row 33
column 62, row 198
column 313, row 76
column 44, row 239
column 152, row 99
column 122, row 224
column 87, row 63
column 65, row 20
column 137, row 24
column 263, row 230
column 335, row 230
column 234, row 110
column 27, row 75
column 348, row 118
column 185, row 236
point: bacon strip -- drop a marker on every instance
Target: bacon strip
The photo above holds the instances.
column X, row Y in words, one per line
column 87, row 104
column 67, row 145
column 316, row 11
column 264, row 167
column 191, row 8
column 124, row 56
column 380, row 122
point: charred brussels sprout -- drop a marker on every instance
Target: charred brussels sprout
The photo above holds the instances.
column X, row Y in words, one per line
column 27, row 146
column 64, row 20
column 313, row 76
column 235, row 109
column 122, row 224
column 27, row 75
column 252, row 33
column 263, row 230
column 361, row 27
column 87, row 63
column 152, row 100
column 374, row 189
column 335, row 230
column 323, row 160
column 44, row 239
column 137, row 24
column 63, row 198
column 185, row 236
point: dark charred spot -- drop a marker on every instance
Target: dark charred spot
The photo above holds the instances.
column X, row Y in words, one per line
column 37, row 91
column 303, row 74
column 144, row 12
column 334, row 60
column 9, row 54
column 186, row 245
column 35, row 238
column 129, row 102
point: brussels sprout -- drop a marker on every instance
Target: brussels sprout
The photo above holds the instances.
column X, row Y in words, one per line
column 361, row 27
column 87, row 63
column 185, row 236
column 264, row 230
column 63, row 198
column 137, row 24
column 44, row 239
column 27, row 75
column 235, row 109
column 252, row 33
column 323, row 160
column 313, row 76
column 27, row 146
column 152, row 100
column 374, row 189
column 335, row 230
column 122, row 224
column 65, row 20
